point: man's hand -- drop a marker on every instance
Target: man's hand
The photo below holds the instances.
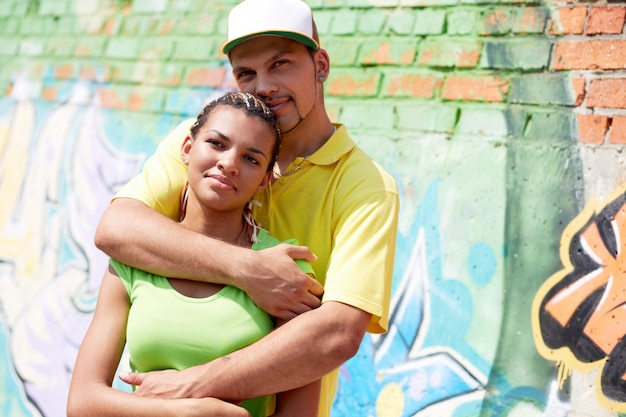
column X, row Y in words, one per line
column 168, row 384
column 278, row 285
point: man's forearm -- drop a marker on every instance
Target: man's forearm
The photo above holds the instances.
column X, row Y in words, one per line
column 140, row 237
column 298, row 353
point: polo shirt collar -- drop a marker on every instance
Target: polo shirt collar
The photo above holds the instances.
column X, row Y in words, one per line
column 335, row 147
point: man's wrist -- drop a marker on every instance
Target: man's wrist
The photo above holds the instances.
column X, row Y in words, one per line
column 243, row 268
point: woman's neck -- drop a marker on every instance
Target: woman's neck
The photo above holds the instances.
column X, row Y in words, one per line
column 227, row 226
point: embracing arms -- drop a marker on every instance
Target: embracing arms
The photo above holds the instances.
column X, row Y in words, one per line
column 271, row 364
column 138, row 236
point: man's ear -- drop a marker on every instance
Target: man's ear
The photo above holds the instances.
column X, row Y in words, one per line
column 322, row 64
column 185, row 149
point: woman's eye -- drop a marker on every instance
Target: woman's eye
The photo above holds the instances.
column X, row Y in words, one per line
column 252, row 159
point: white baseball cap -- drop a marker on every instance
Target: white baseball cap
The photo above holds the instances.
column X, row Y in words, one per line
column 290, row 19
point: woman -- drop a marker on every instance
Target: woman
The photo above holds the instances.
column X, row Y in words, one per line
column 174, row 323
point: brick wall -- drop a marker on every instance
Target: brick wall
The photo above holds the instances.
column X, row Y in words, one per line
column 592, row 46
column 144, row 55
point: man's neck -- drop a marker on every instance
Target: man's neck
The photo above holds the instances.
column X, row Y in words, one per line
column 301, row 143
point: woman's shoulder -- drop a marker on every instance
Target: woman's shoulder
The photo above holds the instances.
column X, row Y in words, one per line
column 266, row 240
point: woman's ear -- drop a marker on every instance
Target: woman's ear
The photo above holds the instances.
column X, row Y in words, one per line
column 185, row 149
column 264, row 182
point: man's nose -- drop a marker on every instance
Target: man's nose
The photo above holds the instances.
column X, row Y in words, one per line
column 265, row 85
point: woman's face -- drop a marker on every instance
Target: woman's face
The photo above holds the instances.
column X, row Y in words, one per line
column 228, row 158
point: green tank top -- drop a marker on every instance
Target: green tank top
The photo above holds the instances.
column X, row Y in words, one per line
column 167, row 330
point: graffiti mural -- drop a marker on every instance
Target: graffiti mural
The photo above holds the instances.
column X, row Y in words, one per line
column 58, row 171
column 579, row 317
column 410, row 373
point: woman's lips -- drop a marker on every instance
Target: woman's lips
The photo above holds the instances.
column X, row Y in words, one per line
column 222, row 182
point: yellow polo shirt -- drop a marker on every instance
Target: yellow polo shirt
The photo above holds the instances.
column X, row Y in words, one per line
column 340, row 203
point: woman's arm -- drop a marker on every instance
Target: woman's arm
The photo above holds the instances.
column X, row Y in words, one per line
column 91, row 393
column 137, row 235
column 299, row 402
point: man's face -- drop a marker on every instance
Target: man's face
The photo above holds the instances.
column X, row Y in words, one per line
column 283, row 73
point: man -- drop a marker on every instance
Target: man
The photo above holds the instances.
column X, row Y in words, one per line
column 326, row 193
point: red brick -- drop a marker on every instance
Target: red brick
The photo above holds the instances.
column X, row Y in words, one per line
column 413, row 85
column 169, row 80
column 488, row 88
column 592, row 128
column 136, row 101
column 463, row 54
column 578, row 85
column 95, row 73
column 64, row 71
column 606, row 20
column 496, row 22
column 387, row 54
column 49, row 93
column 618, row 130
column 603, row 54
column 617, row 134
column 607, row 93
column 532, row 20
column 202, row 77
column 167, row 27
column 571, row 20
column 110, row 99
column 347, row 85
column 112, row 26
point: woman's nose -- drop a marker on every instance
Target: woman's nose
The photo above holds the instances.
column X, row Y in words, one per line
column 228, row 162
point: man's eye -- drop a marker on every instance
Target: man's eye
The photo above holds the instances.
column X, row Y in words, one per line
column 243, row 74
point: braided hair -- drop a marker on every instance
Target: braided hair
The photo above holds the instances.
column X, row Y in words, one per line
column 253, row 107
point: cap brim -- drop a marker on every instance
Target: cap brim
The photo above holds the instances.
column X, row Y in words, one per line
column 294, row 36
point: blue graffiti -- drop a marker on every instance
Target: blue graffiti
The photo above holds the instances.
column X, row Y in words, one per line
column 12, row 402
column 423, row 353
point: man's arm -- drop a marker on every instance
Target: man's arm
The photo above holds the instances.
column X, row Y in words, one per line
column 324, row 339
column 138, row 236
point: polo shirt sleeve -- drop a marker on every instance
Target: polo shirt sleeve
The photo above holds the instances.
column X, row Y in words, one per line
column 163, row 176
column 360, row 270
